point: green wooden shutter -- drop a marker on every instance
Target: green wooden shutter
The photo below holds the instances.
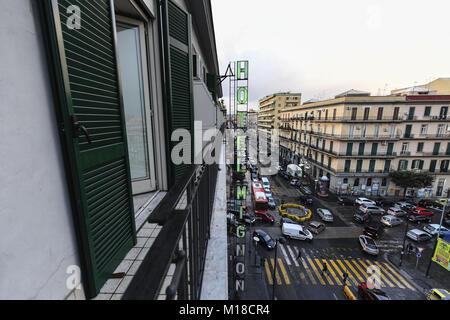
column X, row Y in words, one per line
column 178, row 78
column 84, row 65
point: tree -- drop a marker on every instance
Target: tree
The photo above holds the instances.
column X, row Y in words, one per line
column 410, row 179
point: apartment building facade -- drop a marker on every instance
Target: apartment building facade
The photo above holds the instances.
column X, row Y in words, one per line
column 356, row 139
column 91, row 94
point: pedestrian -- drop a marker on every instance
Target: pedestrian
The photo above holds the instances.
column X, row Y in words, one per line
column 345, row 278
column 324, row 268
column 299, row 255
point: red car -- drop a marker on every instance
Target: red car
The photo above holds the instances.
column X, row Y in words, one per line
column 423, row 211
column 366, row 293
column 267, row 217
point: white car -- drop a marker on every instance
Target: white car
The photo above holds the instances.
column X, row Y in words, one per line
column 433, row 229
column 268, row 192
column 325, row 215
column 371, row 209
column 368, row 245
column 418, row 235
column 391, row 221
column 295, row 231
column 361, row 201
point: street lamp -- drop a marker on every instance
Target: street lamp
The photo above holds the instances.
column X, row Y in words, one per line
column 437, row 237
column 282, row 241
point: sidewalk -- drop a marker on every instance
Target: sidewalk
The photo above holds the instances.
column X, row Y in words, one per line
column 438, row 276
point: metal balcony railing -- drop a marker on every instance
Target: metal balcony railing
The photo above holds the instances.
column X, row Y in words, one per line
column 185, row 216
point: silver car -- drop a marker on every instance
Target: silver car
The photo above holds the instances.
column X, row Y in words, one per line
column 325, row 215
column 390, row 221
column 371, row 209
column 395, row 211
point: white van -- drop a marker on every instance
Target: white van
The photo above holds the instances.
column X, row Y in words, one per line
column 296, row 231
column 265, row 182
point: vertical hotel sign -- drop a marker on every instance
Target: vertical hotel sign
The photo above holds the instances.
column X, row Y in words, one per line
column 241, row 117
column 442, row 254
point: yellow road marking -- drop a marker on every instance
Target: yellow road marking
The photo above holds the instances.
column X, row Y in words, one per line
column 268, row 272
column 283, row 271
column 395, row 281
column 363, row 272
column 277, row 274
column 399, row 276
column 326, row 275
column 316, row 272
column 350, row 275
column 338, row 271
column 354, row 271
column 368, row 276
column 382, row 275
column 308, row 271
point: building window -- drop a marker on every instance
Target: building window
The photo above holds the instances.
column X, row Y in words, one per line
column 345, row 180
column 384, row 182
column 372, row 166
column 363, row 131
column 444, row 165
column 427, row 112
column 356, row 183
column 349, row 149
column 423, row 129
column 405, row 147
column 369, row 182
column 437, row 147
column 420, row 147
column 403, row 165
column 433, row 165
column 377, row 131
column 361, row 149
column 348, row 163
column 359, row 165
column 440, row 187
column 440, row 130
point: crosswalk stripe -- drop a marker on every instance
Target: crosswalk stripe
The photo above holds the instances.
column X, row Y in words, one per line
column 305, row 266
column 363, row 272
column 340, row 272
column 268, row 273
column 293, row 256
column 324, row 273
column 398, row 283
column 389, row 283
column 336, row 279
column 406, row 283
column 283, row 251
column 353, row 270
column 277, row 274
column 283, row 271
column 311, row 263
column 368, row 276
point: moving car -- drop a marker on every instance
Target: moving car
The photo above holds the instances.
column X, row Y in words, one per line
column 418, row 218
column 418, row 235
column 305, row 189
column 247, row 218
column 361, row 201
column 366, row 293
column 373, row 230
column 316, row 227
column 294, row 182
column 384, row 203
column 361, row 217
column 254, row 177
column 394, row 211
column 264, row 238
column 295, row 231
column 371, row 209
column 325, row 215
column 391, row 221
column 345, row 201
column 438, row 294
column 305, row 200
column 287, row 220
column 433, row 229
column 268, row 192
column 266, row 217
column 368, row 245
column 265, row 182
column 271, row 202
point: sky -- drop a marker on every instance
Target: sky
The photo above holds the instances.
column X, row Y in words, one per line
column 324, row 47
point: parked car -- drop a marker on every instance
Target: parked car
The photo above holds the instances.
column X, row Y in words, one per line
column 426, row 203
column 254, row 177
column 418, row 218
column 371, row 209
column 265, row 182
column 305, row 189
column 394, row 211
column 368, row 245
column 325, row 215
column 305, row 200
column 361, row 201
column 272, row 204
column 433, row 229
column 345, row 201
column 264, row 238
column 287, row 220
column 391, row 221
column 266, row 217
column 247, row 218
column 361, row 217
column 295, row 231
column 423, row 211
column 384, row 203
column 316, row 227
column 268, row 192
column 373, row 230
column 418, row 235
column 366, row 293
column 294, row 182
column 402, row 204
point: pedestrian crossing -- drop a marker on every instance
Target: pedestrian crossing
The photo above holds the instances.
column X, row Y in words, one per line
column 300, row 266
column 286, row 192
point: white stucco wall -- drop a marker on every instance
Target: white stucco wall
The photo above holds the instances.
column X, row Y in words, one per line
column 36, row 234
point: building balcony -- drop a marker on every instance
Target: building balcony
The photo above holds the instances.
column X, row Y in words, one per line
column 356, row 119
column 438, row 136
column 424, row 154
column 354, row 137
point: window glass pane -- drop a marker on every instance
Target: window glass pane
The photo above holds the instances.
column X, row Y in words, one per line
column 134, row 101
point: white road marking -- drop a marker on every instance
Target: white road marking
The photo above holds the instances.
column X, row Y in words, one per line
column 293, row 256
column 285, row 255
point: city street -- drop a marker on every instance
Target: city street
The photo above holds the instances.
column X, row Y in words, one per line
column 337, row 246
